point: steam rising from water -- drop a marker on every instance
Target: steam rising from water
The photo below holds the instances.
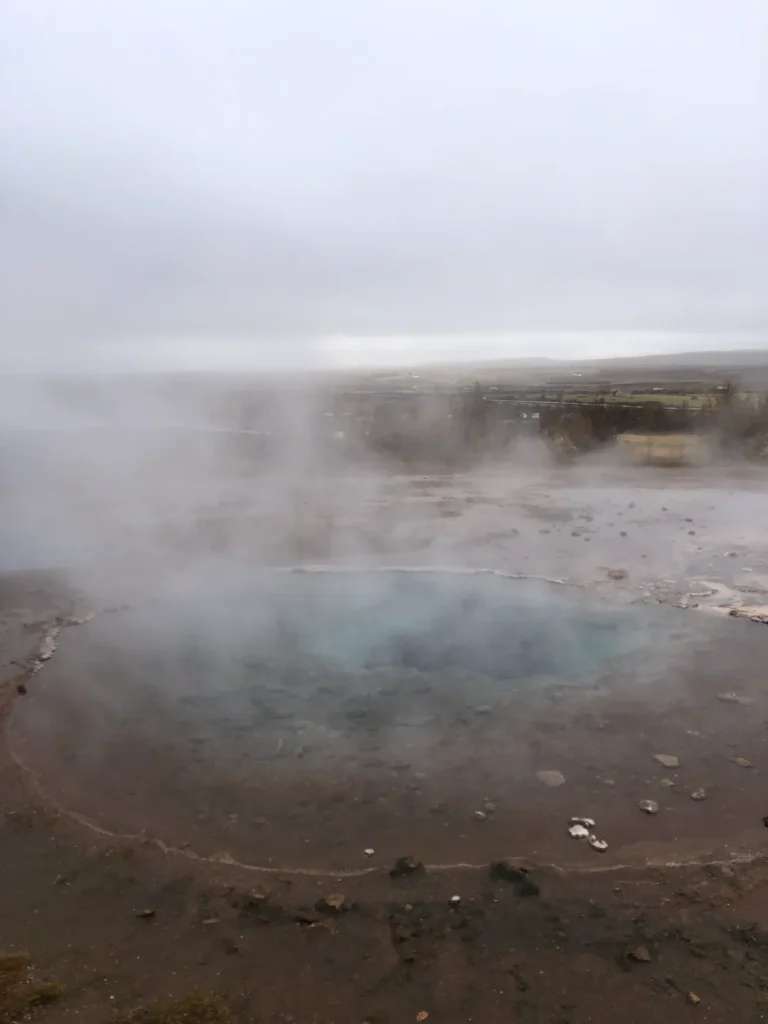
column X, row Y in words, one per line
column 269, row 693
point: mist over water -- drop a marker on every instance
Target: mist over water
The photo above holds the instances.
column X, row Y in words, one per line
column 230, row 695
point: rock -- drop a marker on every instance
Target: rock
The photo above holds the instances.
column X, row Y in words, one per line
column 504, row 871
column 78, row 620
column 455, row 900
column 667, row 760
column 405, row 866
column 146, row 914
column 617, row 574
column 693, row 999
column 731, row 697
column 578, row 832
column 667, row 783
column 597, row 844
column 21, row 689
column 751, row 612
column 306, row 917
column 586, row 822
column 649, row 806
column 479, row 815
column 742, row 762
column 551, row 778
column 334, row 903
column 699, row 794
column 422, row 1015
column 369, row 851
column 640, row 954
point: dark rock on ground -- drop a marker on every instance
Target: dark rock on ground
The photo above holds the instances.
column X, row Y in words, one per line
column 405, row 866
column 504, row 871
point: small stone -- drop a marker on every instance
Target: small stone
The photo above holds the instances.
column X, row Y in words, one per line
column 699, row 794
column 369, row 851
column 257, row 896
column 693, row 999
column 742, row 762
column 551, row 778
column 483, row 709
column 455, row 900
column 667, row 783
column 617, row 574
column 489, row 806
column 422, row 1015
column 667, row 760
column 649, row 806
column 21, row 689
column 334, row 903
column 406, row 866
column 640, row 954
column 146, row 914
column 598, row 844
column 578, row 832
column 479, row 815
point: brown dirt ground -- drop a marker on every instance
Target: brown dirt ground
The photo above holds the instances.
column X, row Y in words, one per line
column 96, row 929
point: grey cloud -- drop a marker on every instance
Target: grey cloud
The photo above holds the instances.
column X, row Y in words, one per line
column 264, row 175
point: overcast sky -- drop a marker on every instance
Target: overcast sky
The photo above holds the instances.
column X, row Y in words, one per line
column 194, row 183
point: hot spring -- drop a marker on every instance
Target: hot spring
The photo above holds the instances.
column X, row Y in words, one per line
column 298, row 717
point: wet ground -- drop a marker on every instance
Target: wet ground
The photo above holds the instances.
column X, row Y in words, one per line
column 186, row 848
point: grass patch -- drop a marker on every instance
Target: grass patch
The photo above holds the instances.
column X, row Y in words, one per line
column 197, row 1008
column 45, row 994
column 19, row 992
column 13, row 969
